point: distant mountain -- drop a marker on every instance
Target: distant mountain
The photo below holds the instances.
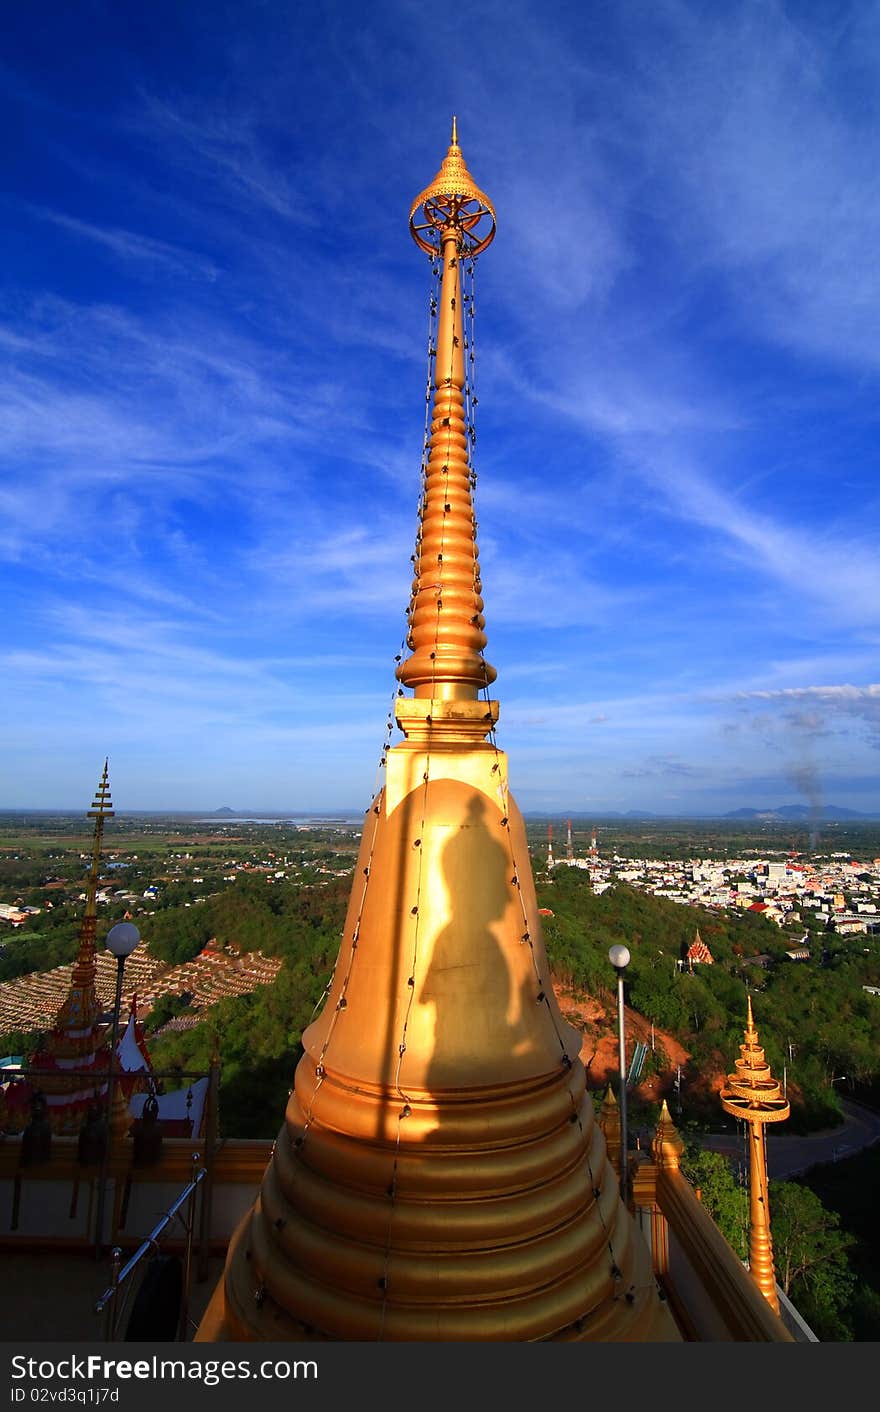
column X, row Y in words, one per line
column 224, row 812
column 782, row 814
column 800, row 813
column 597, row 815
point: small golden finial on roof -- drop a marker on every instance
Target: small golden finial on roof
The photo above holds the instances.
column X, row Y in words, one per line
column 454, row 131
column 667, row 1147
column 609, row 1122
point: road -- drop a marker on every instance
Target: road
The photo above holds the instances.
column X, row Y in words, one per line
column 789, row 1155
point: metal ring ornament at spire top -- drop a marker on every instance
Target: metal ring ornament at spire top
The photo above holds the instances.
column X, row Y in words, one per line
column 453, row 200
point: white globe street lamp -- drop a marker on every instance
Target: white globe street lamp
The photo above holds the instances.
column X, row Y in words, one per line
column 122, row 940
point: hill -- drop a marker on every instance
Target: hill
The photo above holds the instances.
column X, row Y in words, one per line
column 815, row 1020
column 800, row 813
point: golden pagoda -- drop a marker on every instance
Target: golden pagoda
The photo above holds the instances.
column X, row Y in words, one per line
column 439, row 1174
column 755, row 1097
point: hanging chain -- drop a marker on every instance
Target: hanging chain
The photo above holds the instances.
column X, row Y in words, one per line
column 416, row 908
column 468, row 263
column 544, row 985
column 373, row 811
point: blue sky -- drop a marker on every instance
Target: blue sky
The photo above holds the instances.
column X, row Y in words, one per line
column 213, row 330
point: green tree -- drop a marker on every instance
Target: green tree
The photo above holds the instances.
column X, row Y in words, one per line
column 726, row 1201
column 810, row 1251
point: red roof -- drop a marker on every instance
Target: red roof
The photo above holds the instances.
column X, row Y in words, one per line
column 699, row 952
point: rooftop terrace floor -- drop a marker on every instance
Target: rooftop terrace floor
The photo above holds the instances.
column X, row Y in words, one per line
column 50, row 1295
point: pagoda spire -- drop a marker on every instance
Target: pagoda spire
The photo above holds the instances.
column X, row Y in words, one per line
column 440, row 1174
column 77, row 1036
column 80, row 1012
column 754, row 1096
column 452, row 220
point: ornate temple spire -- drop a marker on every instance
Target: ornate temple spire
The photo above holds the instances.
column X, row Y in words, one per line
column 452, row 220
column 80, row 1013
column 440, row 1174
column 755, row 1097
column 77, row 1036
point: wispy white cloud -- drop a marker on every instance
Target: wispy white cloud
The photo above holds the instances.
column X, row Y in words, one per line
column 128, row 245
column 678, row 309
column 748, row 114
column 205, row 140
column 843, row 692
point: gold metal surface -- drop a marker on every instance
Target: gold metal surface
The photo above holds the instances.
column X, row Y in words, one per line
column 754, row 1096
column 667, row 1146
column 609, row 1122
column 446, row 610
column 439, row 1174
column 453, row 200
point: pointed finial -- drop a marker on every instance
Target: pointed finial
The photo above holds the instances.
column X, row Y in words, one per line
column 453, row 201
column 609, row 1122
column 750, row 1023
column 101, row 804
column 667, row 1146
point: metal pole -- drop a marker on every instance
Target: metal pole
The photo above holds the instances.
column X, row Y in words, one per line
column 183, row 1328
column 624, row 1138
column 207, row 1203
column 111, row 1074
column 110, row 1316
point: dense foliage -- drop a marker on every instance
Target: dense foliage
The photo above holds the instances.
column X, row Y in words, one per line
column 815, row 1020
column 810, row 1251
column 726, row 1199
column 815, row 1017
column 849, row 1188
column 259, row 1034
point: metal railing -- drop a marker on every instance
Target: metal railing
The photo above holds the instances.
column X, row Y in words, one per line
column 15, row 1074
column 109, row 1304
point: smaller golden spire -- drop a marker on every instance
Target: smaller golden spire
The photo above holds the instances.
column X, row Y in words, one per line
column 77, row 1035
column 754, row 1096
column 80, row 1012
column 609, row 1122
column 102, row 803
column 667, row 1147
column 454, row 131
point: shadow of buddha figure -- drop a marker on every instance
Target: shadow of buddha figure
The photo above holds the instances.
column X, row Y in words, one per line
column 477, row 995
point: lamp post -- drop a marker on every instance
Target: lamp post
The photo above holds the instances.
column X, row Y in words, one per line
column 620, row 958
column 121, row 941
